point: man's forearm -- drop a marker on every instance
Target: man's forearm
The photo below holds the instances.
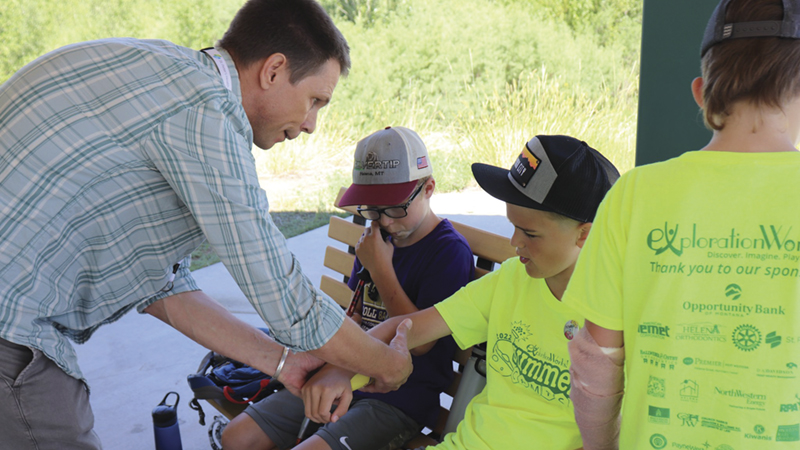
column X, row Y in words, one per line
column 352, row 349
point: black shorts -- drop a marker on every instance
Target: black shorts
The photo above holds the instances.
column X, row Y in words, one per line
column 368, row 425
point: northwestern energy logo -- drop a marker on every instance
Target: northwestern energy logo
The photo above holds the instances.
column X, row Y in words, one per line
column 751, row 398
column 772, row 237
column 746, row 338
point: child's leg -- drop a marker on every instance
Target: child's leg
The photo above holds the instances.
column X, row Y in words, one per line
column 269, row 424
column 368, row 423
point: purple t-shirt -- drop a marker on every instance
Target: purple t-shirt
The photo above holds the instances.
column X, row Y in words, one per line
column 429, row 271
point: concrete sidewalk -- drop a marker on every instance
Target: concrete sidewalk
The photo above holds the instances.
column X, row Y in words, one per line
column 134, row 362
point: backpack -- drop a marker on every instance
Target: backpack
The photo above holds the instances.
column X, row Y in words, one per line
column 228, row 385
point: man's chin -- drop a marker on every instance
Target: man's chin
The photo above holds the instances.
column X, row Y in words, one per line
column 265, row 145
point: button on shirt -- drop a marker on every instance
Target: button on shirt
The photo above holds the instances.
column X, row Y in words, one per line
column 117, row 159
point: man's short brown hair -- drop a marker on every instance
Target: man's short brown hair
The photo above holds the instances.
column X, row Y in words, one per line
column 763, row 71
column 299, row 29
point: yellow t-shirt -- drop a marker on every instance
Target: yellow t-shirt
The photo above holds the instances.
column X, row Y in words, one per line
column 525, row 403
column 697, row 260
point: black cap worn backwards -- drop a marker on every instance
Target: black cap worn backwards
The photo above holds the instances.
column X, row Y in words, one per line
column 717, row 30
column 553, row 173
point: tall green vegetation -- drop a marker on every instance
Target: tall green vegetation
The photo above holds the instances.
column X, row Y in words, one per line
column 476, row 78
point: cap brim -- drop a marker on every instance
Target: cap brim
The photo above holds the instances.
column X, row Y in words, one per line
column 494, row 180
column 377, row 194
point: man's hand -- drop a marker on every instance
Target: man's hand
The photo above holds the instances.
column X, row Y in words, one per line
column 393, row 380
column 328, row 386
column 373, row 251
column 296, row 369
column 331, row 385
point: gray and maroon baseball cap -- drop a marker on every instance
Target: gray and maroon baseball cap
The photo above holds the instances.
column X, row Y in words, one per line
column 388, row 164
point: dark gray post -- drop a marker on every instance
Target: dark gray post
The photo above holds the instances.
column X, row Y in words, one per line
column 670, row 122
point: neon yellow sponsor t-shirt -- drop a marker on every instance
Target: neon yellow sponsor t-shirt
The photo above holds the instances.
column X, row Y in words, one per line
column 525, row 403
column 697, row 260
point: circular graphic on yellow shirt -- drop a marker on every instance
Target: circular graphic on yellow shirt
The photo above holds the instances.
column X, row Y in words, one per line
column 658, row 441
column 571, row 329
column 746, row 337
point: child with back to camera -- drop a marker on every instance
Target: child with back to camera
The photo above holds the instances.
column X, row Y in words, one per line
column 693, row 263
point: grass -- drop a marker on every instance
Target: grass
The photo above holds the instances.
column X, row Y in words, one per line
column 476, row 79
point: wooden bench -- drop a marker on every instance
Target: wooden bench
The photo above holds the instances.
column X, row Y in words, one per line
column 488, row 248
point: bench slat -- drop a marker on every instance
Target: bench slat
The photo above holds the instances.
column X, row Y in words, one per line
column 344, row 231
column 485, row 244
column 339, row 261
column 337, row 290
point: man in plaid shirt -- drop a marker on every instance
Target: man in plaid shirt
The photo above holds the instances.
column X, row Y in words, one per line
column 118, row 158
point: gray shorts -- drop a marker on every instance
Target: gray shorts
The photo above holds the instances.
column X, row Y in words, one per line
column 42, row 407
column 368, row 425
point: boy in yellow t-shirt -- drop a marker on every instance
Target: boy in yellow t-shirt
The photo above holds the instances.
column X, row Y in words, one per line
column 693, row 263
column 552, row 193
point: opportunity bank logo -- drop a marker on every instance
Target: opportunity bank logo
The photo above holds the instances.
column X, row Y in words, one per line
column 677, row 239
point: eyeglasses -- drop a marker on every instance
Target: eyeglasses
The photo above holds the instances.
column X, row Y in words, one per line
column 392, row 212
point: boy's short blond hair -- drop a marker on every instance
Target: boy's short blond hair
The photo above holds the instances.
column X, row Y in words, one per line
column 763, row 71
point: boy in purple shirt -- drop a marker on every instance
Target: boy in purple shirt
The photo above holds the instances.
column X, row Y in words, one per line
column 421, row 261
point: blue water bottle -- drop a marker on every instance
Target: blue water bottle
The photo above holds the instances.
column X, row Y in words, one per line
column 165, row 424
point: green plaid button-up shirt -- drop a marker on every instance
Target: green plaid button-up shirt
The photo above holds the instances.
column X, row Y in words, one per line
column 117, row 158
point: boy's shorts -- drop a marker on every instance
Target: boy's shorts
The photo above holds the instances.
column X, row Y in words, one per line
column 368, row 424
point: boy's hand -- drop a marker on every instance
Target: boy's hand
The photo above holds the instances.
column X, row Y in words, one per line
column 295, row 370
column 372, row 250
column 329, row 386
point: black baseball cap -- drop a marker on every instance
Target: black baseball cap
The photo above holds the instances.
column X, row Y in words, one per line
column 552, row 173
column 717, row 30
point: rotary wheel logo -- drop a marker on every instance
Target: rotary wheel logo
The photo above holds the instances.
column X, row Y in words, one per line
column 658, row 441
column 746, row 337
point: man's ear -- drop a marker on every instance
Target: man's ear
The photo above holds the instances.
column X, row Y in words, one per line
column 697, row 91
column 584, row 229
column 275, row 66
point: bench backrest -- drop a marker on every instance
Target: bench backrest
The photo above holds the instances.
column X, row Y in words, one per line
column 489, row 249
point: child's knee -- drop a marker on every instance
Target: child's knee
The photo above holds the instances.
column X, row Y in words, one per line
column 243, row 433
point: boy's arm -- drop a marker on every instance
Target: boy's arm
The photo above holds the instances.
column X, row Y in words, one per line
column 332, row 384
column 597, row 375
